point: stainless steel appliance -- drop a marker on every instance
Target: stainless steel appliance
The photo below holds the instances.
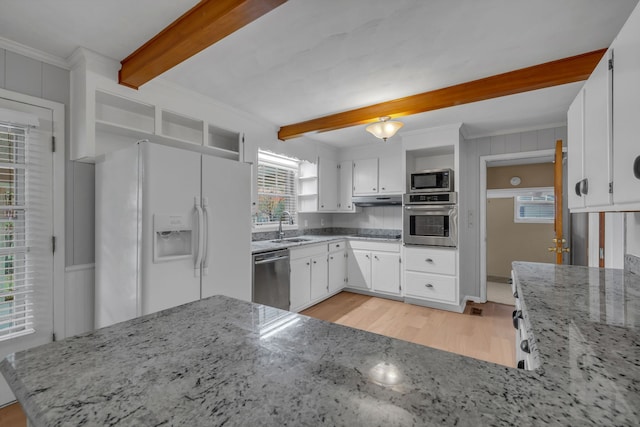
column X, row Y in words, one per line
column 432, row 180
column 430, row 219
column 365, row 201
column 271, row 279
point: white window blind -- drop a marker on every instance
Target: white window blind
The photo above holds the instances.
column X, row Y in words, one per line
column 16, row 275
column 277, row 189
column 535, row 209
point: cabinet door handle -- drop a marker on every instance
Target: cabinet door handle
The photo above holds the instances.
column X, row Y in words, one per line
column 331, row 257
column 429, row 285
column 636, row 167
column 375, row 256
column 577, row 189
column 367, row 256
column 308, row 264
column 429, row 260
column 584, row 186
column 383, row 188
column 517, row 314
column 524, row 346
column 314, row 262
column 374, row 188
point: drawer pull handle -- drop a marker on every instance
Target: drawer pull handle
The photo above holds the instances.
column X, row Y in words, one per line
column 636, row 167
column 375, row 256
column 429, row 285
column 429, row 260
column 520, row 364
column 517, row 314
column 338, row 245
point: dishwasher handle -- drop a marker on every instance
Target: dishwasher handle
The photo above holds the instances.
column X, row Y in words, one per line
column 270, row 260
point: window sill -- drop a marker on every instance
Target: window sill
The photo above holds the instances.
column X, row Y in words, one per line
column 271, row 227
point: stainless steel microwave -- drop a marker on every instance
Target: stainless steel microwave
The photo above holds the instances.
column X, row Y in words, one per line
column 440, row 180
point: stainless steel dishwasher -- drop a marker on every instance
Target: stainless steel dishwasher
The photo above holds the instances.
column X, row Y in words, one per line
column 271, row 279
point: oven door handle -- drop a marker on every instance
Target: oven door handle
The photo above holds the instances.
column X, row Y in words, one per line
column 444, row 209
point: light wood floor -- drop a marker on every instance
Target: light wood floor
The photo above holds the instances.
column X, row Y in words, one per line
column 12, row 416
column 488, row 337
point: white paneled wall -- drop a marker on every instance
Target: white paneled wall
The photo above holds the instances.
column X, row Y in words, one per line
column 385, row 217
column 79, row 299
column 469, row 178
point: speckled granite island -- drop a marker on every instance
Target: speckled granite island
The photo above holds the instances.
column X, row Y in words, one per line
column 221, row 361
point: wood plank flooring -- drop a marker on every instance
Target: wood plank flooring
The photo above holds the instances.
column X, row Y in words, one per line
column 488, row 337
column 12, row 416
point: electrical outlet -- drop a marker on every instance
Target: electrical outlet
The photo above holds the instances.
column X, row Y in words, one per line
column 322, row 222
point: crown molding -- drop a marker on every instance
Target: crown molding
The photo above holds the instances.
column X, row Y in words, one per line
column 33, row 53
column 472, row 136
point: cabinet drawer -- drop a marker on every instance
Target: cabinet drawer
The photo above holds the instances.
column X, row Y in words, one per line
column 430, row 286
column 307, row 251
column 428, row 260
column 368, row 245
column 337, row 246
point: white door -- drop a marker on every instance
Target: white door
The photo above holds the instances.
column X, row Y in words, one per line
column 385, row 272
column 597, row 134
column 300, row 276
column 575, row 143
column 327, row 184
column 390, row 177
column 226, row 195
column 345, row 187
column 626, row 105
column 26, row 223
column 319, row 272
column 171, row 185
column 359, row 269
column 365, row 177
column 337, row 270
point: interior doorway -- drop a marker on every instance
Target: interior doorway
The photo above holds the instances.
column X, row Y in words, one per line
column 516, row 217
column 520, row 215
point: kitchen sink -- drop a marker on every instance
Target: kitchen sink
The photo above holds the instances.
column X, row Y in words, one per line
column 291, row 240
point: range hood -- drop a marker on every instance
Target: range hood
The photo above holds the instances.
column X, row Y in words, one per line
column 382, row 200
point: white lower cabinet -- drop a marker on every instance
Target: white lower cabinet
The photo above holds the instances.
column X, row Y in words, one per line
column 337, row 266
column 317, row 271
column 374, row 266
column 431, row 274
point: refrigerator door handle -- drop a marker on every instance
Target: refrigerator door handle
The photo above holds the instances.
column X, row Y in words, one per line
column 196, row 267
column 205, row 236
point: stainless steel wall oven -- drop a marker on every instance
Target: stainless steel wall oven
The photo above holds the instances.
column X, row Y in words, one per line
column 430, row 219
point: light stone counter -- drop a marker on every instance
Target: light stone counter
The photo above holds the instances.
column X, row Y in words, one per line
column 220, row 361
column 259, row 246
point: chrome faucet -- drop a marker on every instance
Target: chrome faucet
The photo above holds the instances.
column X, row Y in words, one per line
column 280, row 232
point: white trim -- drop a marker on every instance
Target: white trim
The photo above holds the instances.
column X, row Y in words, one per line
column 59, row 308
column 517, row 130
column 32, row 53
column 79, row 267
column 506, row 193
column 484, row 160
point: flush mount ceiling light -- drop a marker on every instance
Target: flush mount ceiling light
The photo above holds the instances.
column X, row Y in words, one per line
column 385, row 128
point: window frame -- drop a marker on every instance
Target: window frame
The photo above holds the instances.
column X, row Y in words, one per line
column 289, row 164
column 517, row 204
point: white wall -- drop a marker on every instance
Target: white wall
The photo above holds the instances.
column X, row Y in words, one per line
column 471, row 151
column 28, row 76
column 633, row 233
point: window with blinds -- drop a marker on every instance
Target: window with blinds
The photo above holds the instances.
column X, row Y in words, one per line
column 535, row 209
column 277, row 189
column 16, row 303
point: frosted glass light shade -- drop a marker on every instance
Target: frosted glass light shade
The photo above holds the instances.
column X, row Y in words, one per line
column 384, row 129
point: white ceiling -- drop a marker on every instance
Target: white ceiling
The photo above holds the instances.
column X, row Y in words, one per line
column 310, row 58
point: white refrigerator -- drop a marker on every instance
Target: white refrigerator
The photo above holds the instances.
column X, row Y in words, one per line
column 172, row 226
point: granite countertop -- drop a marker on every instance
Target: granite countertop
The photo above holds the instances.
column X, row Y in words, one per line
column 259, row 246
column 223, row 361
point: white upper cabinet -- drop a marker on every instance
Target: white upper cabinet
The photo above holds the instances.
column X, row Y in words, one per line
column 626, row 109
column 597, row 134
column 328, row 184
column 345, row 187
column 365, row 177
column 609, row 179
column 575, row 144
column 390, row 177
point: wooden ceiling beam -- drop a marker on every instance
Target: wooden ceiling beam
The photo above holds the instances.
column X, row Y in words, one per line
column 559, row 72
column 206, row 23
